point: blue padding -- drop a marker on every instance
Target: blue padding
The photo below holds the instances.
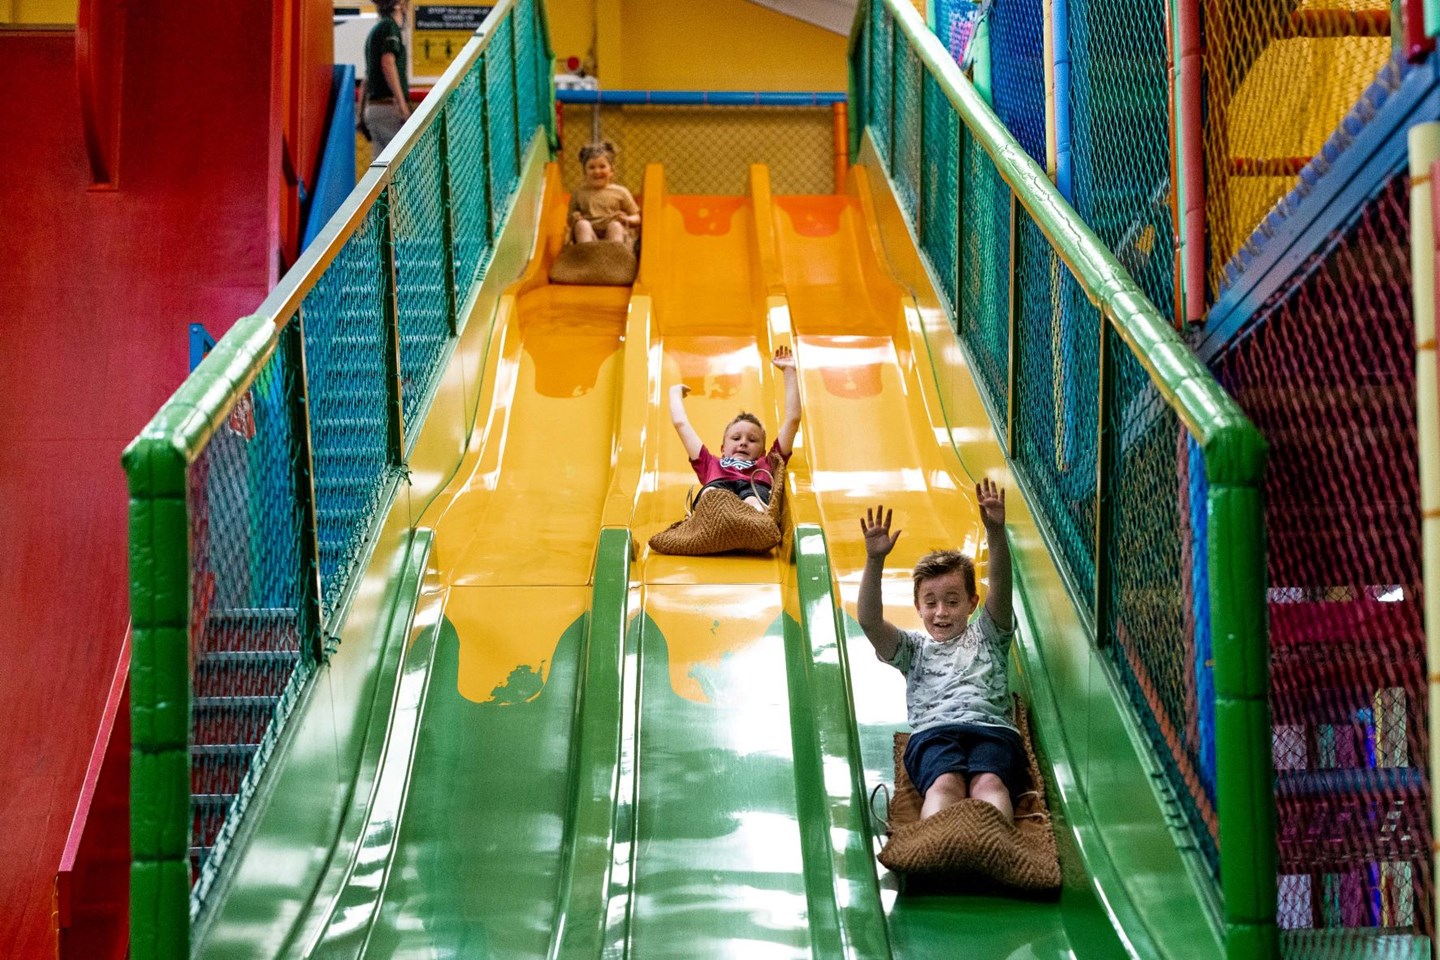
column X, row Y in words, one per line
column 1374, row 781
column 695, row 98
column 1060, row 26
column 1204, row 663
column 337, row 163
column 201, row 343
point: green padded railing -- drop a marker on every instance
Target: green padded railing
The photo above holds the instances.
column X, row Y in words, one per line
column 256, row 490
column 1142, row 472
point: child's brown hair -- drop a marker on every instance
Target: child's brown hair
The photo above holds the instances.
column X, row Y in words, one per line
column 603, row 148
column 745, row 416
column 941, row 562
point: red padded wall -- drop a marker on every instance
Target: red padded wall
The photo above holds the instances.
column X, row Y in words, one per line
column 97, row 291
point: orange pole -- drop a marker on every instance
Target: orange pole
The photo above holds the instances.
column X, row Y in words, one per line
column 842, row 146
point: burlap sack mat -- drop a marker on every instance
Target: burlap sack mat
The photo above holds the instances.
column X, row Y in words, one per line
column 971, row 841
column 603, row 263
column 723, row 523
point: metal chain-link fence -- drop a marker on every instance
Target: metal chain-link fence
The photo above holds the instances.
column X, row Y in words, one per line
column 1279, row 76
column 707, row 149
column 1327, row 370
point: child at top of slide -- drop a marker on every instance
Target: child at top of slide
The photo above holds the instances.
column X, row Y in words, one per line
column 600, row 208
column 741, row 467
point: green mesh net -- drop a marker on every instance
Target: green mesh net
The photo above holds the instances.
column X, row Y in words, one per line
column 1056, row 413
column 345, row 364
column 469, row 179
column 882, row 51
column 984, row 315
column 417, row 222
column 504, row 151
column 940, row 188
column 905, row 162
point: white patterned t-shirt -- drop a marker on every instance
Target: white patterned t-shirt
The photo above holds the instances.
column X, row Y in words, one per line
column 964, row 680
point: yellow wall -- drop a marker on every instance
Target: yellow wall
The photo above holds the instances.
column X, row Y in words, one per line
column 37, row 12
column 698, row 45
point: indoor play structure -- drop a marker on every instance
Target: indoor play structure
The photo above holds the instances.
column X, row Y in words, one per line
column 407, row 681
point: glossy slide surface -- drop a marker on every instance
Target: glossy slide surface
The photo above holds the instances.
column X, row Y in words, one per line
column 598, row 751
column 868, row 442
column 718, row 869
column 460, row 852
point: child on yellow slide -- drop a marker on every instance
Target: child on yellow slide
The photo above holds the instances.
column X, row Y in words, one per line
column 742, row 465
column 600, row 208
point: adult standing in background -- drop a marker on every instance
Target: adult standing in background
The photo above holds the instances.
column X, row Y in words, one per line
column 387, row 92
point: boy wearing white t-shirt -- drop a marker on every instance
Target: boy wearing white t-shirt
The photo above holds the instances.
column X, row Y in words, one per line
column 957, row 689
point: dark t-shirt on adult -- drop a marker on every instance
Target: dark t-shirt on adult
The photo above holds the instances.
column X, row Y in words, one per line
column 385, row 37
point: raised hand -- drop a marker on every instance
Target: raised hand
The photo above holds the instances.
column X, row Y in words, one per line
column 875, row 525
column 783, row 358
column 991, row 501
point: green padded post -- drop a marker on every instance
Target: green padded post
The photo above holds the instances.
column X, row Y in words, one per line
column 159, row 699
column 1244, row 774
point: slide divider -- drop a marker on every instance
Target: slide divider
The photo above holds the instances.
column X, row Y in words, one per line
column 847, row 918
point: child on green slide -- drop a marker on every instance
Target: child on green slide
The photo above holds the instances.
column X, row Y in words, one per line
column 957, row 690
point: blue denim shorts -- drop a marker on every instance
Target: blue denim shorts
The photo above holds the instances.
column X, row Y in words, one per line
column 741, row 489
column 968, row 749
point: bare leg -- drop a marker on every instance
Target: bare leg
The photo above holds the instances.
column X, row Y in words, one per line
column 991, row 789
column 947, row 790
column 615, row 230
column 584, row 232
column 756, row 502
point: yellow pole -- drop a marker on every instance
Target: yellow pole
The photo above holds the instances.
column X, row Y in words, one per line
column 1424, row 153
column 1051, row 153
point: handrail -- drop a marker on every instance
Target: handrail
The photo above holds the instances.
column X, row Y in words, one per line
column 106, row 759
column 1233, row 451
column 260, row 379
column 1204, row 407
column 225, row 375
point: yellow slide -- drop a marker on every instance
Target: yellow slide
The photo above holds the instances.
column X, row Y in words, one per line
column 515, row 532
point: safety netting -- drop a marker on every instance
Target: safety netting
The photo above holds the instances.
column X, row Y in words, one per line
column 707, row 148
column 1017, row 71
column 257, row 491
column 1279, row 77
column 1117, row 483
column 1327, row 370
column 246, row 595
column 1120, row 127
